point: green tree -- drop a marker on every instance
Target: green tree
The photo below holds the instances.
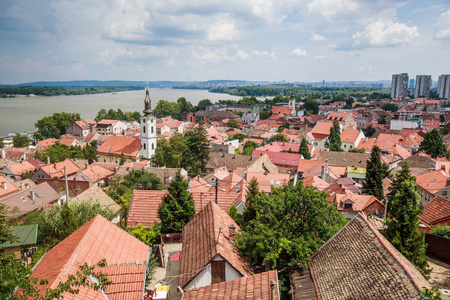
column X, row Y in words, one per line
column 249, row 213
column 232, row 123
column 170, row 153
column 203, row 104
column 142, row 180
column 282, row 127
column 184, row 105
column 197, row 156
column 279, row 137
column 389, row 107
column 446, row 129
column 148, row 235
column 55, row 125
column 2, row 144
column 376, row 171
column 165, row 108
column 289, row 226
column 334, row 142
column 177, row 207
column 357, row 150
column 304, row 150
column 249, row 147
column 403, row 222
column 122, row 159
column 239, row 136
column 311, row 106
column 69, row 224
column 369, row 131
column 21, row 140
column 263, row 115
column 433, row 144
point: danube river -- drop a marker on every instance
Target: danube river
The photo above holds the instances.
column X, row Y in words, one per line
column 20, row 114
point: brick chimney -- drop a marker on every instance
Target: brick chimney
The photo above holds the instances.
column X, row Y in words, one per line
column 447, row 181
column 3, row 153
column 4, row 186
column 232, row 232
column 32, row 196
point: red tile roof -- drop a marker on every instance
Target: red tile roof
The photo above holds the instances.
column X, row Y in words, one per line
column 120, row 144
column 144, row 204
column 268, row 180
column 316, row 182
column 338, row 116
column 436, row 211
column 255, row 287
column 6, row 187
column 205, row 237
column 321, row 130
column 349, row 135
column 280, row 158
column 284, row 110
column 433, row 181
column 92, row 242
column 57, row 170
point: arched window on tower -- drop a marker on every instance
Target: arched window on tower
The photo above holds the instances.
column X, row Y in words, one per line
column 144, row 129
column 145, row 146
column 152, row 128
column 153, row 146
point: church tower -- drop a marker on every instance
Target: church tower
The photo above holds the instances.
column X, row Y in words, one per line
column 292, row 104
column 148, row 128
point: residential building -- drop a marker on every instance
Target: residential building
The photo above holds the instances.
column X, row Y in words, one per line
column 249, row 118
column 350, row 204
column 422, row 86
column 373, row 269
column 345, row 119
column 148, row 129
column 6, row 187
column 127, row 260
column 351, row 138
column 14, row 172
column 436, row 212
column 262, row 286
column 231, row 161
column 268, row 180
column 95, row 194
column 444, row 86
column 106, row 127
column 431, row 184
column 318, row 136
column 114, row 147
column 79, row 128
column 399, row 85
column 208, row 255
column 25, row 246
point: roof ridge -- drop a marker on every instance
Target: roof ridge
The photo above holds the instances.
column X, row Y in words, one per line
column 76, row 250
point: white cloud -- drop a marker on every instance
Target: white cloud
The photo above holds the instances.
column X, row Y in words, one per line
column 242, row 54
column 443, row 26
column 365, row 68
column 298, row 52
column 385, row 33
column 270, row 55
column 318, row 38
column 223, row 30
column 320, row 56
column 330, row 8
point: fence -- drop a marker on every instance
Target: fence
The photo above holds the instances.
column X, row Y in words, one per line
column 438, row 247
column 171, row 238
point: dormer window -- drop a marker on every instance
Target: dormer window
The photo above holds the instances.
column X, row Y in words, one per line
column 348, row 205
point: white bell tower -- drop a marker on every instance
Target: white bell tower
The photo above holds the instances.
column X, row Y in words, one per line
column 148, row 128
column 292, row 105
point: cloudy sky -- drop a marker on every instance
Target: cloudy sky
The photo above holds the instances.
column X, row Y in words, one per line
column 292, row 40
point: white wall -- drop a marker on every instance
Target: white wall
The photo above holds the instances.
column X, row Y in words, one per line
column 202, row 279
column 231, row 273
column 400, row 124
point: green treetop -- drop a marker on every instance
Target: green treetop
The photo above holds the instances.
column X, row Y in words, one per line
column 376, row 171
column 177, row 207
column 334, row 140
column 304, row 150
column 279, row 137
column 403, row 222
column 21, row 140
column 433, row 144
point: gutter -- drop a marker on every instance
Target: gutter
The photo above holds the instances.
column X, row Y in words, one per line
column 146, row 268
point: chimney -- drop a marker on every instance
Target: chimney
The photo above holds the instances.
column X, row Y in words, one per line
column 272, row 290
column 232, row 232
column 324, row 171
column 447, row 182
column 48, row 160
column 3, row 153
column 32, row 196
column 4, row 186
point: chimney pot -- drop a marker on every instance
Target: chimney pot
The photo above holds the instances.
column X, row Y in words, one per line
column 232, row 230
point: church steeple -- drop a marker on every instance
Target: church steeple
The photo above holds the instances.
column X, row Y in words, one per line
column 147, row 102
column 292, row 104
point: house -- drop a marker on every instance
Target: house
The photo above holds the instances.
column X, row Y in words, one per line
column 431, row 184
column 436, row 212
column 285, row 160
column 127, row 260
column 249, row 118
column 208, row 255
column 358, row 263
column 79, row 128
column 344, row 159
column 217, row 175
column 268, row 180
column 106, row 127
column 282, row 110
column 350, row 139
column 95, row 174
column 345, row 119
column 231, row 161
column 6, row 187
column 114, row 147
column 23, row 202
column 173, row 125
column 46, row 143
column 350, row 204
column 318, row 136
column 262, row 286
column 316, row 182
column 14, row 172
column 95, row 194
column 144, row 204
column 207, row 116
column 24, row 248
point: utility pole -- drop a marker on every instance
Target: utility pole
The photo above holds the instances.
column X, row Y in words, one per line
column 217, row 188
column 67, row 185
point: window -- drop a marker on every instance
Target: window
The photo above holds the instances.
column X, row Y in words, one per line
column 277, row 183
column 284, row 160
column 444, row 193
column 23, row 199
column 145, row 146
column 153, row 146
column 271, row 182
column 348, row 205
column 351, row 146
column 152, row 128
column 38, row 195
column 371, row 207
column 143, row 129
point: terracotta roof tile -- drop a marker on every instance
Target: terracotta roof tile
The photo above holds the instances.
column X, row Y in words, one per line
column 436, row 211
column 120, row 144
column 255, row 287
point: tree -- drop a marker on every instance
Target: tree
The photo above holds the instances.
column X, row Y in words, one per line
column 376, row 171
column 357, row 150
column 55, row 125
column 390, row 107
column 203, row 104
column 239, row 136
column 249, row 213
column 2, row 144
column 148, row 235
column 289, row 225
column 334, row 140
column 14, row 274
column 446, row 129
column 122, row 159
column 197, row 156
column 263, row 115
column 21, row 140
column 403, row 222
column 170, row 153
column 279, row 137
column 249, row 147
column 142, row 180
column 369, row 131
column 232, row 123
column 165, row 108
column 311, row 106
column 177, row 207
column 433, row 144
column 304, row 150
column 184, row 105
column 442, row 230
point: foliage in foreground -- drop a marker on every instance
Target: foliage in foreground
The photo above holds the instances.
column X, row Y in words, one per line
column 442, row 231
column 289, row 226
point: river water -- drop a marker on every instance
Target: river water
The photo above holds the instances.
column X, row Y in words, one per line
column 20, row 114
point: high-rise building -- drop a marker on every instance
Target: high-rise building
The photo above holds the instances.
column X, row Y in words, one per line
column 148, row 129
column 423, row 86
column 444, row 86
column 399, row 85
column 412, row 83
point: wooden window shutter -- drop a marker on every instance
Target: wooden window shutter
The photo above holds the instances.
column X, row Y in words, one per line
column 217, row 271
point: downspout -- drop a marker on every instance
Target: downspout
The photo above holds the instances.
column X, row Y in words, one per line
column 146, row 269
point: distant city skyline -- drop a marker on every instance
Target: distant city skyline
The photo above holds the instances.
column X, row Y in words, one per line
column 294, row 40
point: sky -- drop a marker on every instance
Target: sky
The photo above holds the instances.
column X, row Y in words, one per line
column 196, row 40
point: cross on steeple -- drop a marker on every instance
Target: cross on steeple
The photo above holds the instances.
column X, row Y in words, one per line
column 147, row 102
